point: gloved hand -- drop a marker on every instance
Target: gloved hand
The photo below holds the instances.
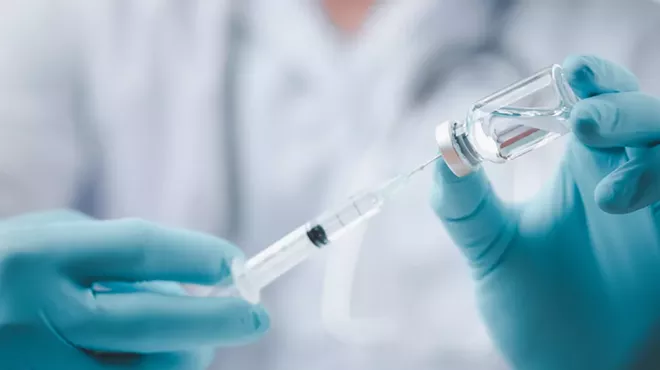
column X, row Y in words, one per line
column 571, row 280
column 51, row 318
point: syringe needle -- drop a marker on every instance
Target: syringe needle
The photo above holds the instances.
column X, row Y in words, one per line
column 389, row 188
column 424, row 165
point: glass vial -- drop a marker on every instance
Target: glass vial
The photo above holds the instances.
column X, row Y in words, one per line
column 509, row 123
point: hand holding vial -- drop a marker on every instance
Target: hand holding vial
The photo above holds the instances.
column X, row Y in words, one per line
column 509, row 123
column 568, row 279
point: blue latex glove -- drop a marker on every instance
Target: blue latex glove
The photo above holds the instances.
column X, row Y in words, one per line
column 571, row 280
column 50, row 318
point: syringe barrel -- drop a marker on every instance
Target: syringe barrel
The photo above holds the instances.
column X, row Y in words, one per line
column 358, row 209
column 278, row 258
column 283, row 255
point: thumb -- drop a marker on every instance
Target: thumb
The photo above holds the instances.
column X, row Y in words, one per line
column 474, row 216
column 633, row 185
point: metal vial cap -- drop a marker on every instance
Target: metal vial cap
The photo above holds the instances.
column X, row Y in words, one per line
column 444, row 136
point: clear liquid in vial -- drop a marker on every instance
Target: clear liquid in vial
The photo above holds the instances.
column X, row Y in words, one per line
column 521, row 117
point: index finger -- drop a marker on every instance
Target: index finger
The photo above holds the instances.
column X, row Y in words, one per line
column 136, row 250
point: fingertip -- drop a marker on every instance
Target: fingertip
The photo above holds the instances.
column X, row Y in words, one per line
column 444, row 180
column 201, row 259
column 584, row 119
column 456, row 197
column 253, row 317
column 212, row 257
column 616, row 193
column 260, row 319
column 580, row 74
column 443, row 174
column 607, row 200
column 589, row 118
column 590, row 75
column 247, row 322
column 222, row 275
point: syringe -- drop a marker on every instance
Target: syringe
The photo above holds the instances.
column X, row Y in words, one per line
column 283, row 255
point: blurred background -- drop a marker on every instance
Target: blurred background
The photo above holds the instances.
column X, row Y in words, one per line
column 245, row 118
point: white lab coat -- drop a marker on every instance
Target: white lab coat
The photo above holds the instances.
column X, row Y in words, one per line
column 118, row 107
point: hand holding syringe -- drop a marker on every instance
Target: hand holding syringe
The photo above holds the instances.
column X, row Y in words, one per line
column 283, row 255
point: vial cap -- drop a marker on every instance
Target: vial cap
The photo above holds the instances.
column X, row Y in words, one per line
column 444, row 136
